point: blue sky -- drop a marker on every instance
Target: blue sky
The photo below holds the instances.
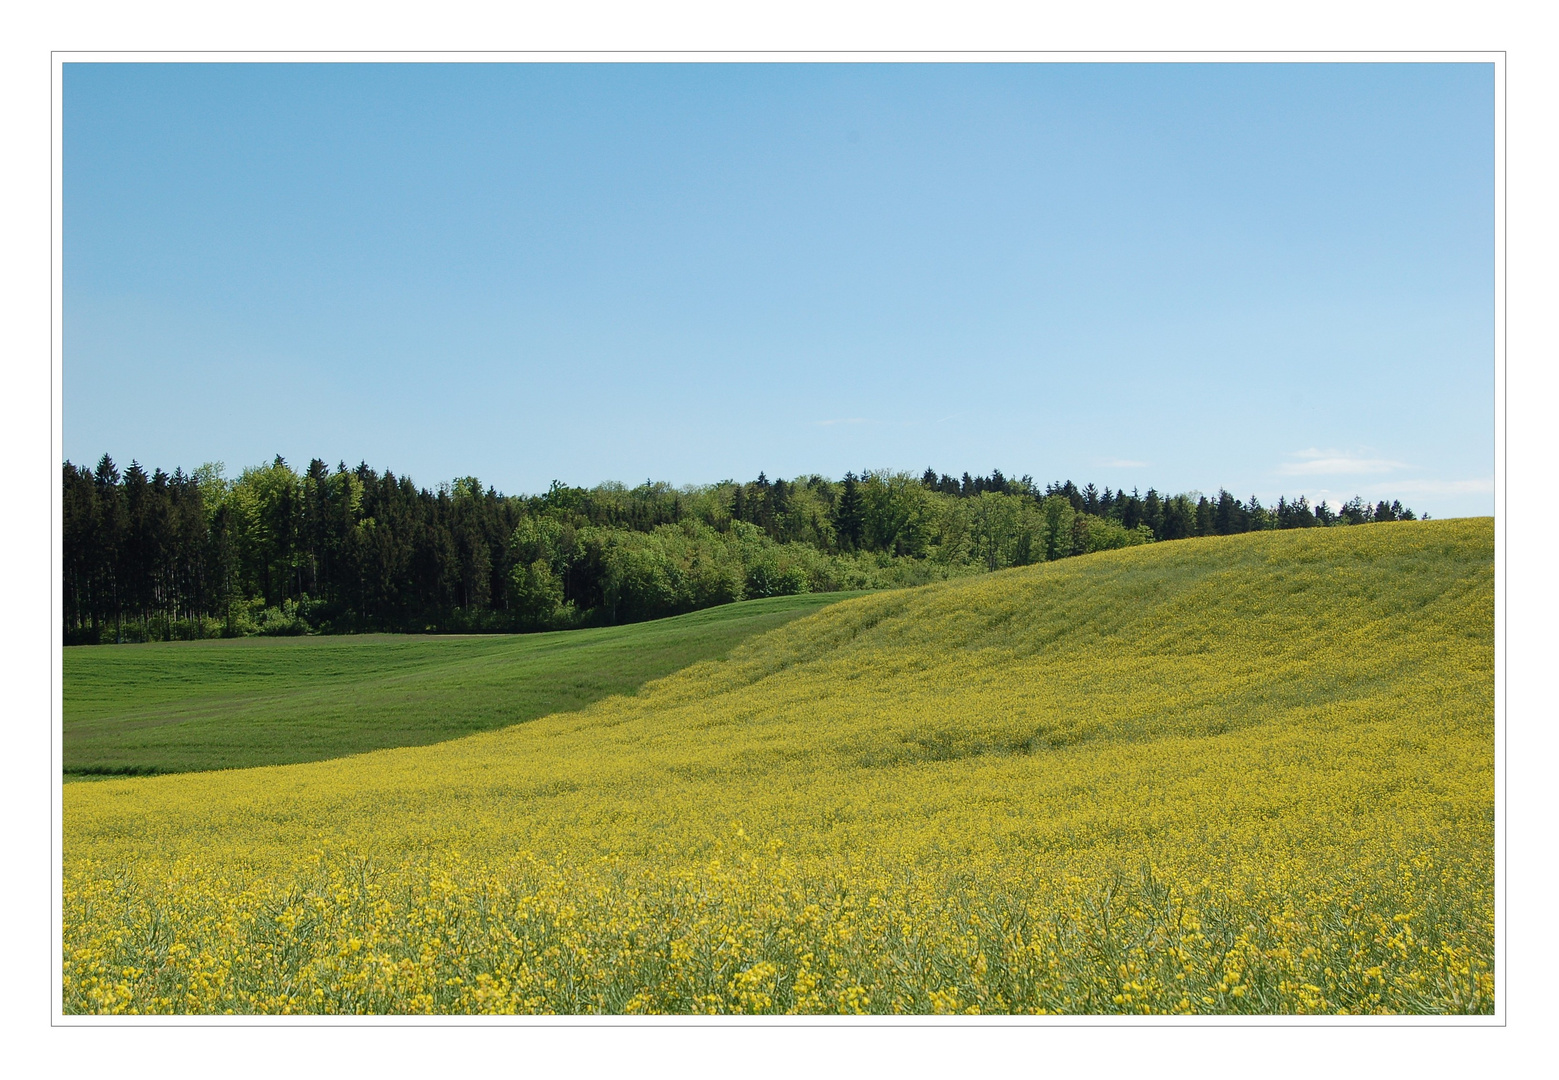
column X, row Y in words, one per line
column 1271, row 278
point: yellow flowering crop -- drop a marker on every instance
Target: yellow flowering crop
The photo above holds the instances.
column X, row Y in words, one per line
column 1250, row 774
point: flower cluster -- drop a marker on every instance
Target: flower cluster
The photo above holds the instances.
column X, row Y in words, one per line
column 1243, row 775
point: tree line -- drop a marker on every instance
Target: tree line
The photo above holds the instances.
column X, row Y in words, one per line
column 274, row 551
column 1177, row 517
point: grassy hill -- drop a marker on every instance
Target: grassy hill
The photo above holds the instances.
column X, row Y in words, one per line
column 188, row 706
column 1241, row 774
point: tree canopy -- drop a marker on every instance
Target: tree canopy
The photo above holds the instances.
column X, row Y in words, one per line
column 276, row 551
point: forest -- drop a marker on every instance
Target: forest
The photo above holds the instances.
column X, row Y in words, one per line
column 272, row 551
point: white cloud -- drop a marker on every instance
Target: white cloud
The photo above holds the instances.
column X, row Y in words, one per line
column 1374, row 491
column 1314, row 462
column 1445, row 487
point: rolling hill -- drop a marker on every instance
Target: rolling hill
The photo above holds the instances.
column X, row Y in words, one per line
column 189, row 706
column 1239, row 774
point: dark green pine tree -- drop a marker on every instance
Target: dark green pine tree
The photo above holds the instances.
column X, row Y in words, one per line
column 849, row 518
column 1179, row 518
column 1131, row 509
column 113, row 521
column 83, row 607
column 1091, row 500
column 778, row 507
column 1257, row 517
column 1228, row 516
column 1153, row 514
column 761, row 508
column 1205, row 524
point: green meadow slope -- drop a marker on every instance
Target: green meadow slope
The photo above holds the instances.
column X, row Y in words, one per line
column 189, row 706
column 1240, row 774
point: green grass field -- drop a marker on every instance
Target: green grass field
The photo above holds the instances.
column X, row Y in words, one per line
column 1246, row 774
column 191, row 706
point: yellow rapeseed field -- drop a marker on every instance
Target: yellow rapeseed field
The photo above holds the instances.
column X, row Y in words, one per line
column 1251, row 774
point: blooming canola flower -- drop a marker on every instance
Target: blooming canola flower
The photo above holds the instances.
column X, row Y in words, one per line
column 1249, row 774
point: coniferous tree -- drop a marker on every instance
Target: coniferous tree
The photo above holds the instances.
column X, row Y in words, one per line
column 778, row 508
column 1153, row 514
column 1091, row 500
column 848, row 517
column 1133, row 511
column 1257, row 515
column 165, row 555
column 1179, row 518
column 1229, row 516
column 1205, row 525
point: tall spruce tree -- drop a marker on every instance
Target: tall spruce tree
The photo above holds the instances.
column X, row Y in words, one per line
column 849, row 516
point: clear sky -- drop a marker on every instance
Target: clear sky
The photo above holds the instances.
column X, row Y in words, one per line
column 1270, row 278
